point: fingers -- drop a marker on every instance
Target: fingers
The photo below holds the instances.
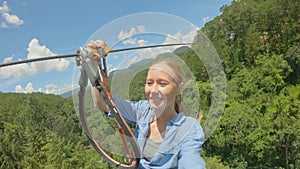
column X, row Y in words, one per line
column 201, row 115
column 96, row 44
column 99, row 48
column 91, row 44
column 100, row 44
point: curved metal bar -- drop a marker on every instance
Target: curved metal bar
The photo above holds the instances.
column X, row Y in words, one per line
column 151, row 46
column 82, row 116
column 88, row 72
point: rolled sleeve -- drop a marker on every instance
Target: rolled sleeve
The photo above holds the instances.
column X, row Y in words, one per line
column 130, row 110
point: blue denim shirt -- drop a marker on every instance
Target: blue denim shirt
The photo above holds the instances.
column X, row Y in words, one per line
column 183, row 138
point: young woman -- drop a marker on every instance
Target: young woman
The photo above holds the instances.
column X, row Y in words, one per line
column 167, row 138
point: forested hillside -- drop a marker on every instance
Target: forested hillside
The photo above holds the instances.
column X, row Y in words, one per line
column 258, row 42
column 42, row 131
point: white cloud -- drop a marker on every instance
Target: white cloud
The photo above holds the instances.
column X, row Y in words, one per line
column 172, row 38
column 29, row 88
column 4, row 8
column 141, row 42
column 19, row 89
column 48, row 89
column 150, row 53
column 114, row 56
column 141, row 29
column 9, row 19
column 15, row 71
column 51, row 88
column 205, row 19
column 179, row 37
column 8, row 59
column 128, row 37
column 123, row 34
column 35, row 50
column 3, row 25
column 189, row 37
column 12, row 19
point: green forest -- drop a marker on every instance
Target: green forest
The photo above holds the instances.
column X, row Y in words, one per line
column 258, row 42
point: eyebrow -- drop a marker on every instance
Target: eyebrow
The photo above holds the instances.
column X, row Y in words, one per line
column 162, row 80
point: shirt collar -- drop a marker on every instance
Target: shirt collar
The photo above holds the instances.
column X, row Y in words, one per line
column 177, row 120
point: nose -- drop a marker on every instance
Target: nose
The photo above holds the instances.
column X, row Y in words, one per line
column 154, row 88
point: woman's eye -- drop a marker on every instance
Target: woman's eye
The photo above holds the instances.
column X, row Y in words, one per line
column 163, row 84
column 149, row 83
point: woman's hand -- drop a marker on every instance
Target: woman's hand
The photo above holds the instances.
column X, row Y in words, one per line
column 99, row 49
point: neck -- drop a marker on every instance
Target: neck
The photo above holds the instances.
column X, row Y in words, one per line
column 165, row 116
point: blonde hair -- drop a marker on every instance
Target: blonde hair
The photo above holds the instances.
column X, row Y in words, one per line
column 173, row 69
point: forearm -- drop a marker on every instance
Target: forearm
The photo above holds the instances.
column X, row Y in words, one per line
column 97, row 46
column 99, row 101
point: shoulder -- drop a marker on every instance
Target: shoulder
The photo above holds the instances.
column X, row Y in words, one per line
column 193, row 121
column 187, row 128
column 143, row 103
column 195, row 130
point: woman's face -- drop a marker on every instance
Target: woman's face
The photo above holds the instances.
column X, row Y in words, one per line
column 161, row 89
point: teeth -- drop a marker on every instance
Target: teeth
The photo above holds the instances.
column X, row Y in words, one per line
column 155, row 98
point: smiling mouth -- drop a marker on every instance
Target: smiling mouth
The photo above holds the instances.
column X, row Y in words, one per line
column 156, row 99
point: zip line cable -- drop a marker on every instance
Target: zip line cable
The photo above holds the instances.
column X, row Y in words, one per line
column 38, row 59
column 76, row 54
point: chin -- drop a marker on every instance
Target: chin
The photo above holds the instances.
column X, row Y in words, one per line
column 157, row 105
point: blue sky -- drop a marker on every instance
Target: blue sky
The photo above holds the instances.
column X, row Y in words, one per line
column 30, row 29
